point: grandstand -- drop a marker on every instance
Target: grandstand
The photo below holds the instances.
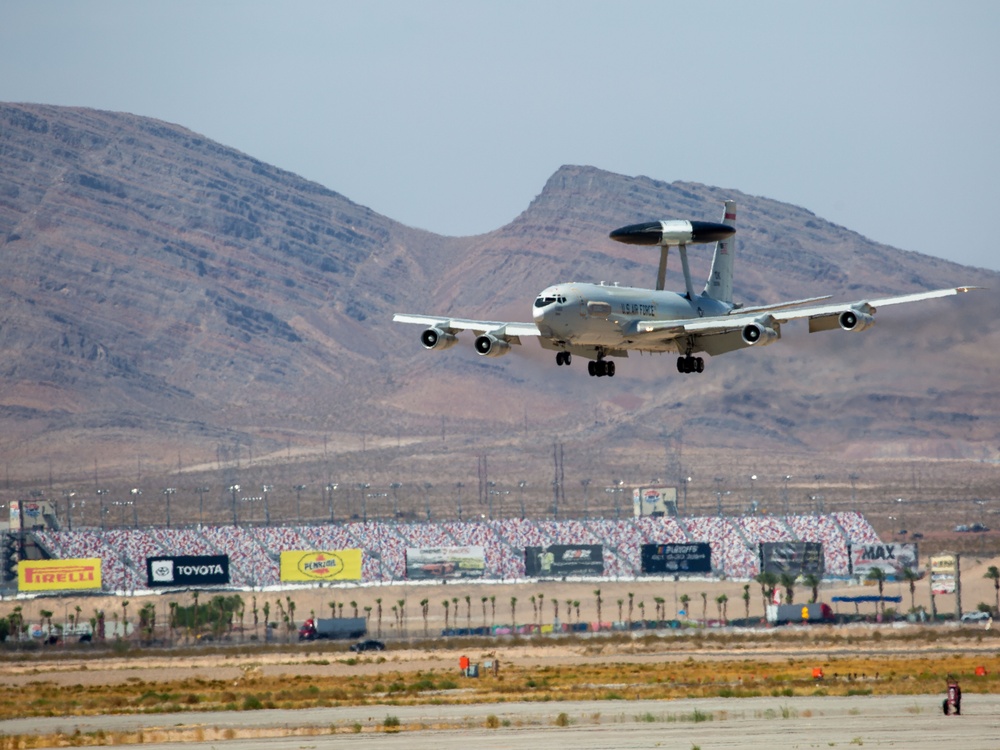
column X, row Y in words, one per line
column 254, row 551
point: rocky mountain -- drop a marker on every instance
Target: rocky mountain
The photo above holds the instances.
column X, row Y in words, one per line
column 170, row 301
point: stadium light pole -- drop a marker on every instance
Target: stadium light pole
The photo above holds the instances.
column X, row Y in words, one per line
column 427, row 498
column 265, row 488
column 201, row 504
column 395, row 498
column 458, row 488
column 135, row 492
column 687, row 481
column 521, row 485
column 785, row 491
column 167, row 493
column 329, row 489
column 69, row 495
column 902, row 518
column 233, row 489
column 586, row 498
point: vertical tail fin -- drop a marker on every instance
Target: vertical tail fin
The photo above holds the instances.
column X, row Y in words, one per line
column 720, row 279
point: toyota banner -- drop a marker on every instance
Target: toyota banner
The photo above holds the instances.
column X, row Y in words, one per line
column 187, row 570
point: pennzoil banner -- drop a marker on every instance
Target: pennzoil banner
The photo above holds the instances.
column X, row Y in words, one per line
column 59, row 575
column 423, row 563
column 325, row 565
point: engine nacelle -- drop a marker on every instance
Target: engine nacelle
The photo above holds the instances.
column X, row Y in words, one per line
column 489, row 345
column 435, row 338
column 759, row 334
column 855, row 320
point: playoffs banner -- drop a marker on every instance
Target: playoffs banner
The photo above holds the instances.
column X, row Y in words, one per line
column 424, row 563
column 59, row 575
column 677, row 558
column 330, row 565
column 891, row 558
column 558, row 560
column 793, row 558
column 187, row 570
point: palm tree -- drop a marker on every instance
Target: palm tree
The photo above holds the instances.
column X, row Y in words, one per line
column 746, row 599
column 620, row 603
column 378, row 614
column 642, row 612
column 704, row 607
column 354, row 606
column 446, row 605
column 878, row 575
column 993, row 573
column 576, row 605
column 721, row 601
column 787, row 582
column 291, row 613
column 401, row 603
column 685, row 600
column 812, row 581
column 468, row 612
column 911, row 577
column 597, row 596
column 534, row 607
column 555, row 611
column 768, row 582
column 424, row 607
column 47, row 615
column 483, row 600
column 493, row 610
column 541, row 611
column 253, row 611
column 513, row 613
column 661, row 609
column 631, row 597
column 333, row 609
column 125, row 617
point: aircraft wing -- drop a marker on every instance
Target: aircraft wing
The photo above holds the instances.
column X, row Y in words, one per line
column 451, row 325
column 821, row 317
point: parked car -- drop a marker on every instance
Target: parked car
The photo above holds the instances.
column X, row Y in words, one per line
column 369, row 645
column 975, row 616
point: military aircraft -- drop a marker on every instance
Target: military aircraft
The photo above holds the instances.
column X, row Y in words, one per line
column 598, row 321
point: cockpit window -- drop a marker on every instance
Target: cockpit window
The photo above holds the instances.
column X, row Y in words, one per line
column 545, row 301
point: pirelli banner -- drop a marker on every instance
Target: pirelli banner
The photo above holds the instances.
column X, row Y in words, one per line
column 793, row 558
column 677, row 559
column 891, row 558
column 423, row 563
column 327, row 565
column 59, row 575
column 187, row 570
column 558, row 560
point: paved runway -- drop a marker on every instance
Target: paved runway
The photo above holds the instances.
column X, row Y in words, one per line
column 912, row 722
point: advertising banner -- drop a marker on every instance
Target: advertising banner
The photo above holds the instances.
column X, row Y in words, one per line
column 944, row 568
column 187, row 570
column 328, row 565
column 677, row 558
column 59, row 575
column 423, row 563
column 891, row 558
column 793, row 558
column 654, row 501
column 558, row 560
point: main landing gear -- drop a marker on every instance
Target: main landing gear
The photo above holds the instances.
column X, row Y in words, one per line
column 597, row 369
column 690, row 364
column 600, row 368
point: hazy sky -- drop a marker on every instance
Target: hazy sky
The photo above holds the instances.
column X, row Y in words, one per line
column 883, row 117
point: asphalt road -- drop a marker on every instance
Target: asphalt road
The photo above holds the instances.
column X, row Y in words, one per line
column 912, row 722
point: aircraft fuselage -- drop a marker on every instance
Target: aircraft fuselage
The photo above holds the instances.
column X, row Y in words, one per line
column 602, row 315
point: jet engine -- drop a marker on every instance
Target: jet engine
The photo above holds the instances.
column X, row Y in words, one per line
column 855, row 320
column 759, row 334
column 435, row 338
column 489, row 345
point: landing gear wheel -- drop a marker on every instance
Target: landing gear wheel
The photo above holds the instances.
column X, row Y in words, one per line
column 680, row 364
column 611, row 369
column 592, row 368
column 700, row 365
column 562, row 358
column 690, row 364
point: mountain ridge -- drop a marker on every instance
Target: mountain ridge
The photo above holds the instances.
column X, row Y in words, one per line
column 165, row 291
